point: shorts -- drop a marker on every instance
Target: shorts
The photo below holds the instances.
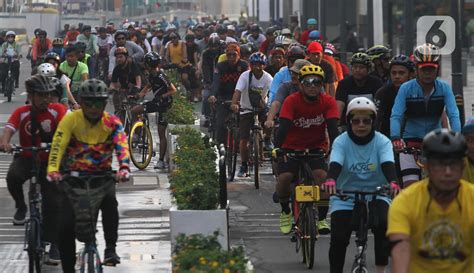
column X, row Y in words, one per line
column 288, row 165
column 160, row 110
column 246, row 123
column 410, row 171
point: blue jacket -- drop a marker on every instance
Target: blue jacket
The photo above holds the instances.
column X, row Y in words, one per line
column 421, row 117
column 281, row 76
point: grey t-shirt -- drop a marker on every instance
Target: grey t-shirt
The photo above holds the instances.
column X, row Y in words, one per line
column 284, row 91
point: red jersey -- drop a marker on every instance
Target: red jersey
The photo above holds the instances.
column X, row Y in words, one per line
column 48, row 120
column 309, row 121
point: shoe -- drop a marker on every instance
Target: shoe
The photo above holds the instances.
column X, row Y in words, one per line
column 275, row 198
column 110, row 257
column 53, row 255
column 285, row 222
column 324, row 227
column 206, row 123
column 195, row 99
column 243, row 172
column 16, row 85
column 161, row 165
column 268, row 145
column 19, row 217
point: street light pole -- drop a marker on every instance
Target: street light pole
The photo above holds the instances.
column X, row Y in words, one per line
column 456, row 59
column 408, row 28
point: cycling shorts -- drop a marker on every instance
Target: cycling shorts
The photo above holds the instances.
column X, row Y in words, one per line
column 288, row 165
column 410, row 171
column 246, row 123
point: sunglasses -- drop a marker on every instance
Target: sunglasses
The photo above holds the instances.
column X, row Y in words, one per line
column 312, row 82
column 120, row 38
column 365, row 121
column 231, row 54
column 11, row 36
column 95, row 103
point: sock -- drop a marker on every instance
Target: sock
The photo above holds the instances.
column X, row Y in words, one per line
column 285, row 207
column 323, row 212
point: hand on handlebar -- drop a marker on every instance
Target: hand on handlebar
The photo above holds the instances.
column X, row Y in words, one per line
column 234, row 108
column 269, row 123
column 123, row 175
column 394, row 189
column 54, row 177
column 329, row 186
column 6, row 147
column 212, row 99
column 398, row 144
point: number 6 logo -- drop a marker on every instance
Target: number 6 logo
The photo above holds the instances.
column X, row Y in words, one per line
column 437, row 30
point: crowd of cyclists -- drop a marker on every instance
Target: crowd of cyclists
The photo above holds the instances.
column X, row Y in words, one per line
column 363, row 115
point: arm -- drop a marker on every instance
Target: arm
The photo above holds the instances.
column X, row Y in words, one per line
column 331, row 125
column 184, row 51
column 331, row 89
column 235, row 101
column 277, row 81
column 138, row 80
column 6, row 138
column 61, row 139
column 34, row 52
column 273, row 111
column 85, row 76
column 112, row 60
column 452, row 110
column 400, row 253
column 398, row 110
column 171, row 91
column 121, row 146
column 137, row 52
column 206, row 69
column 95, row 46
column 285, row 126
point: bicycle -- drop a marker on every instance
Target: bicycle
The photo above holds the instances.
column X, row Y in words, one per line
column 359, row 265
column 33, row 243
column 102, row 68
column 9, row 80
column 419, row 159
column 81, row 189
column 255, row 145
column 304, row 197
column 232, row 143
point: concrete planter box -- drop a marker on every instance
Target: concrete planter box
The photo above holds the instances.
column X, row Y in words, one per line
column 172, row 140
column 203, row 222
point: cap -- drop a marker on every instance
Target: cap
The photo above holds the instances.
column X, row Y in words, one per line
column 315, row 47
column 286, row 31
column 298, row 64
column 231, row 27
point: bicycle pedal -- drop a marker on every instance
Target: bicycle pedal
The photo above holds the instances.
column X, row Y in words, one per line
column 110, row 264
column 153, row 154
column 293, row 238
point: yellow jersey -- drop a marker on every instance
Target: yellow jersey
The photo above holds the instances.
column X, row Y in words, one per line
column 468, row 173
column 441, row 240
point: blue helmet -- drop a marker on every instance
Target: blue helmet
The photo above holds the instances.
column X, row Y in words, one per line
column 314, row 35
column 311, row 21
column 468, row 126
column 258, row 57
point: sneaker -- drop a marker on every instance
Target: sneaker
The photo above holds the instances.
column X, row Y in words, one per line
column 324, row 227
column 243, row 172
column 19, row 217
column 161, row 165
column 268, row 145
column 53, row 255
column 110, row 257
column 285, row 222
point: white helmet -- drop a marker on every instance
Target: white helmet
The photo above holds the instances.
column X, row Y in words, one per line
column 361, row 104
column 46, row 69
column 170, row 27
column 10, row 33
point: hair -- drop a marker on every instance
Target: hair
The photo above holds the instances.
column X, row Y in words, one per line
column 71, row 49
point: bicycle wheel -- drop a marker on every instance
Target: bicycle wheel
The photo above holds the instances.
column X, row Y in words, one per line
column 34, row 255
column 256, row 159
column 140, row 143
column 9, row 88
column 309, row 236
column 231, row 156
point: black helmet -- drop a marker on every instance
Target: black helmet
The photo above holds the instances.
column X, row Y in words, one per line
column 93, row 88
column 443, row 143
column 81, row 46
column 86, row 28
column 246, row 49
column 152, row 59
column 121, row 32
column 37, row 31
column 40, row 84
column 403, row 60
column 221, row 29
column 296, row 52
column 213, row 41
column 52, row 56
column 378, row 51
column 360, row 58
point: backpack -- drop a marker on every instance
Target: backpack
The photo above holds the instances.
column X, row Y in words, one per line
column 255, row 95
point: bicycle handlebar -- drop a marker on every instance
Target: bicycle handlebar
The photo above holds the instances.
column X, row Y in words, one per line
column 19, row 149
column 301, row 154
column 411, row 150
column 380, row 191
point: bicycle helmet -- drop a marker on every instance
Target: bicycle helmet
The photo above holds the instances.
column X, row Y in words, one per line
column 86, row 28
column 286, row 31
column 152, row 59
column 37, row 31
column 296, row 52
column 314, row 35
column 221, row 29
column 246, row 49
column 93, row 88
column 39, row 83
column 52, row 56
column 81, row 46
column 214, row 41
column 330, row 49
column 121, row 50
column 311, row 21
column 120, row 32
column 254, row 27
column 311, row 70
column 468, row 126
column 426, row 53
column 43, row 32
column 258, row 57
column 378, row 51
column 360, row 58
column 443, row 143
column 46, row 69
column 58, row 42
column 361, row 104
column 281, row 41
column 403, row 60
column 10, row 33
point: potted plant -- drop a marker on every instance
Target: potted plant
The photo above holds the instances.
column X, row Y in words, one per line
column 194, row 185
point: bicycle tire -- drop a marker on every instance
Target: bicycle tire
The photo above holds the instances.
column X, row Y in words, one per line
column 140, row 144
column 256, row 159
column 309, row 234
column 231, row 160
column 34, row 257
column 9, row 88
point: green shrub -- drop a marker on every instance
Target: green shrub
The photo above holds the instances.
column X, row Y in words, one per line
column 195, row 182
column 181, row 111
column 198, row 253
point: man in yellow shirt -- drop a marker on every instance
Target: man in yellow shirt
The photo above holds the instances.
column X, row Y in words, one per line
column 468, row 132
column 430, row 223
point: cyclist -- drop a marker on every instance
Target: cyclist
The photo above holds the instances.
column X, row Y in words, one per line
column 157, row 40
column 30, row 46
column 402, row 69
column 71, row 35
column 311, row 25
column 208, row 63
column 10, row 49
column 269, row 43
column 84, row 143
column 105, row 43
column 420, row 103
column 61, row 81
column 126, row 80
column 468, row 133
column 41, row 46
column 277, row 61
column 192, row 52
column 304, row 118
column 380, row 56
column 361, row 159
column 359, row 84
column 75, row 70
column 58, row 48
column 251, row 90
column 221, row 31
column 430, row 224
column 329, row 51
column 84, row 57
column 255, row 36
column 41, row 117
column 92, row 48
column 134, row 51
column 163, row 91
column 224, row 82
column 66, row 96
column 315, row 56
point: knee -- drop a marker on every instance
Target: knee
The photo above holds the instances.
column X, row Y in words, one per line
column 319, row 175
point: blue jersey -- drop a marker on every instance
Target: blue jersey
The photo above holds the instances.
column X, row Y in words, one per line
column 361, row 166
column 281, row 77
column 422, row 114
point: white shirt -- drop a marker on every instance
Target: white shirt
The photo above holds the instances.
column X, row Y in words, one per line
column 261, row 85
